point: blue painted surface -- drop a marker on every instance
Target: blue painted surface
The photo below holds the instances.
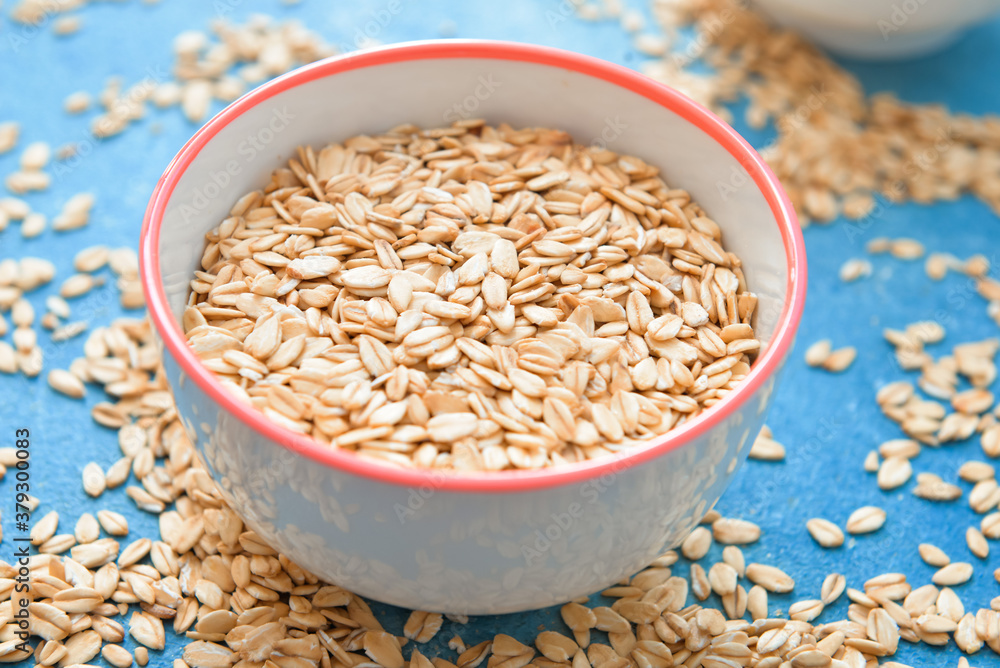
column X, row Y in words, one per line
column 827, row 421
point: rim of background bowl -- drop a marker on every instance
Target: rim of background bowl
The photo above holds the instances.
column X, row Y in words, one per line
column 498, row 481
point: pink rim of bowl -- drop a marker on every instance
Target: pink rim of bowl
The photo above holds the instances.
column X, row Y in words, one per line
column 501, row 481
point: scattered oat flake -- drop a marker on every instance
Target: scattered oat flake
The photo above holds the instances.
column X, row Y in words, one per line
column 66, row 25
column 953, row 574
column 866, row 520
column 825, row 532
column 765, row 448
column 588, row 12
column 906, row 249
column 854, row 269
column 839, row 360
column 9, row 133
column 771, row 578
column 858, row 205
column 878, row 245
column 894, row 472
column 976, row 266
column 66, row 383
column 77, row 103
column 650, row 45
column 977, row 543
column 732, row 531
column 36, row 156
column 938, row 265
column 817, row 354
column 67, row 151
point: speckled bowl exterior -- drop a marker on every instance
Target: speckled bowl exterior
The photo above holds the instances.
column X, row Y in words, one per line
column 477, row 543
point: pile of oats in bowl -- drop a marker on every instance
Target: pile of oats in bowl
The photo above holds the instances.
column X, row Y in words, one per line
column 472, row 298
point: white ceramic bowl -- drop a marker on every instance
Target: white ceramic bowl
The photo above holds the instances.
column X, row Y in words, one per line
column 484, row 543
column 880, row 29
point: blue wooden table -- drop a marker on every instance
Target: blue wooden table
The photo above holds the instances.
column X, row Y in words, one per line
column 829, row 422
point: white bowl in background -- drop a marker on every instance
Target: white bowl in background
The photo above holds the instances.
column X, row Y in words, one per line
column 880, row 29
column 487, row 542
